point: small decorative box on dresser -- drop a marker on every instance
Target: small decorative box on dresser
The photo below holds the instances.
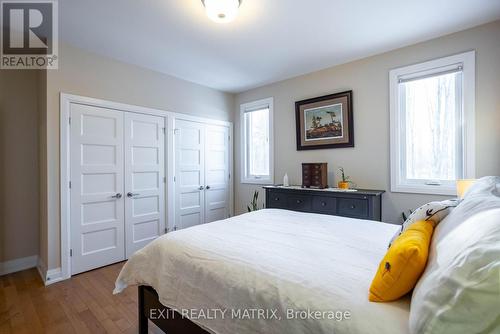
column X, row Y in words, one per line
column 314, row 175
column 363, row 204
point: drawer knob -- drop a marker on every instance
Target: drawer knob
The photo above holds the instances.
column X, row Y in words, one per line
column 299, row 201
column 323, row 203
column 276, row 198
column 353, row 206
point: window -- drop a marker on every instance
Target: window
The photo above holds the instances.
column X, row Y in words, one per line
column 257, row 142
column 432, row 125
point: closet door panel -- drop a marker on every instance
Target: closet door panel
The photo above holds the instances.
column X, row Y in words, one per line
column 216, row 173
column 144, row 180
column 97, row 203
column 189, row 173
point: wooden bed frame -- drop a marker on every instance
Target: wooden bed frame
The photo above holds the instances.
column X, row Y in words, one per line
column 165, row 318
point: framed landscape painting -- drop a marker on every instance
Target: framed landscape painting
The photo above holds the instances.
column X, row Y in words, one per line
column 325, row 122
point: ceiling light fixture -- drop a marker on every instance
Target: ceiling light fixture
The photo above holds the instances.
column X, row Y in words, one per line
column 222, row 11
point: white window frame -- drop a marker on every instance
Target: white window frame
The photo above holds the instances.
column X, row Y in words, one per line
column 467, row 62
column 245, row 178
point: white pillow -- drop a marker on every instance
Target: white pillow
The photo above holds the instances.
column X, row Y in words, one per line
column 459, row 291
column 435, row 211
column 484, row 194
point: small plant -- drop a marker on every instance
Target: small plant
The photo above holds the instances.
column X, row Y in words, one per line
column 343, row 176
column 254, row 204
column 346, row 180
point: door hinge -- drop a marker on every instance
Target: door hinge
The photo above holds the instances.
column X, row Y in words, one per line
column 70, row 121
column 164, row 179
column 174, row 178
column 69, row 184
column 230, row 176
column 70, row 252
column 163, row 130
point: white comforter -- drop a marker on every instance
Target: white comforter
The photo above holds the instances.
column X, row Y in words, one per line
column 281, row 261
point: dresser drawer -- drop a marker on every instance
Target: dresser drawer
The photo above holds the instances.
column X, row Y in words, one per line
column 277, row 200
column 299, row 202
column 352, row 207
column 323, row 204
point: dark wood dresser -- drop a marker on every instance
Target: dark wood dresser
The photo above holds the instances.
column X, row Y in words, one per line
column 362, row 204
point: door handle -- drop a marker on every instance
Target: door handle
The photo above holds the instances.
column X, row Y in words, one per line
column 208, row 187
column 201, row 188
column 117, row 196
column 129, row 194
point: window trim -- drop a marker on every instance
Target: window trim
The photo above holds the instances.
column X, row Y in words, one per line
column 267, row 102
column 467, row 60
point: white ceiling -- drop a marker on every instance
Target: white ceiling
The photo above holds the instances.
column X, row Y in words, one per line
column 271, row 40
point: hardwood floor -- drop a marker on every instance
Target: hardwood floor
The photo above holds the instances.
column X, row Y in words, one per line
column 82, row 304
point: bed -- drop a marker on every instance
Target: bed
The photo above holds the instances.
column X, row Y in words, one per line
column 272, row 271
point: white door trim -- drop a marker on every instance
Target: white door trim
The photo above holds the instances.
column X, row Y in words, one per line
column 65, row 101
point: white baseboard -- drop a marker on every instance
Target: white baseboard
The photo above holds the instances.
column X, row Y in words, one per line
column 23, row 263
column 53, row 276
column 49, row 276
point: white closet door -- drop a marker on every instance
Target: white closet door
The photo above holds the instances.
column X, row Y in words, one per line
column 189, row 173
column 216, row 173
column 97, row 203
column 144, row 180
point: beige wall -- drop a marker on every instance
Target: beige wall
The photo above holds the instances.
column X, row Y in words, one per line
column 18, row 164
column 88, row 74
column 368, row 162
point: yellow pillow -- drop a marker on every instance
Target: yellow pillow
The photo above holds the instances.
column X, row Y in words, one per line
column 403, row 263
